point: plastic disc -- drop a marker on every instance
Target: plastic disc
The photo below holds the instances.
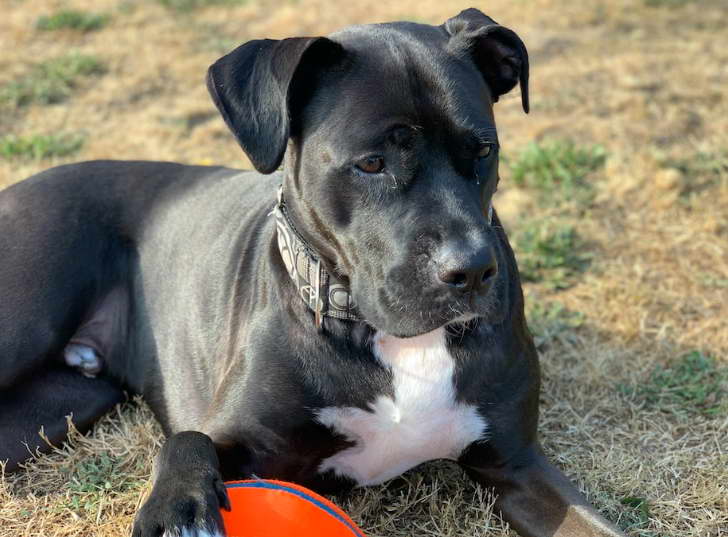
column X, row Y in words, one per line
column 267, row 508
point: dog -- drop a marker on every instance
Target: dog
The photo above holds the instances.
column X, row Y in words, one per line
column 334, row 323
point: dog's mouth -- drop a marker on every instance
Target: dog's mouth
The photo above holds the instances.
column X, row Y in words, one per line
column 460, row 324
column 412, row 318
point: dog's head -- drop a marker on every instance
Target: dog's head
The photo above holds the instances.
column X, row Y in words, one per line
column 391, row 156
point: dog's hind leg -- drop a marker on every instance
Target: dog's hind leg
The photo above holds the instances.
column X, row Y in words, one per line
column 60, row 257
column 83, row 358
column 44, row 400
column 96, row 336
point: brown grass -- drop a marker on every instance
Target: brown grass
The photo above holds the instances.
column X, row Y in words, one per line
column 647, row 82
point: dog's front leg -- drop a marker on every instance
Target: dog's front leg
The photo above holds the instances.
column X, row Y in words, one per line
column 188, row 491
column 536, row 498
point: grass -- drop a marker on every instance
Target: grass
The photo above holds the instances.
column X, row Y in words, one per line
column 693, row 383
column 666, row 3
column 40, row 146
column 638, row 516
column 214, row 38
column 51, row 81
column 700, row 171
column 550, row 321
column 91, row 479
column 550, row 252
column 710, row 280
column 73, row 19
column 558, row 170
column 189, row 5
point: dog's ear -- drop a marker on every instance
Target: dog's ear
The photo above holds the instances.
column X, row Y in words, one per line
column 252, row 88
column 497, row 51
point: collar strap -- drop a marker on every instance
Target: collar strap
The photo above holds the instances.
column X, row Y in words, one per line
column 323, row 292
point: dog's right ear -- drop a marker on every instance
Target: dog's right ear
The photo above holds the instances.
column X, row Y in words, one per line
column 251, row 88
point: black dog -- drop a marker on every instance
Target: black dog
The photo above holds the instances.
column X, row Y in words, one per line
column 367, row 319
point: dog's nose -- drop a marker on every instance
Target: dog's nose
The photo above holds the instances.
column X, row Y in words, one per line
column 471, row 271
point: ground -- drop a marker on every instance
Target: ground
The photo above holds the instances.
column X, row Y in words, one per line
column 614, row 191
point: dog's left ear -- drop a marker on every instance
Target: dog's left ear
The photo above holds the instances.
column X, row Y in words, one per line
column 253, row 86
column 498, row 52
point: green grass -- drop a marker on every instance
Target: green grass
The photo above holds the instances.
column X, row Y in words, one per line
column 702, row 163
column 694, row 383
column 710, row 280
column 549, row 321
column 39, row 146
column 551, row 253
column 51, row 81
column 73, row 19
column 636, row 516
column 189, row 5
column 558, row 171
column 95, row 477
column 701, row 171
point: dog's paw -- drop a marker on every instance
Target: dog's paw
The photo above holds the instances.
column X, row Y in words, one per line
column 196, row 532
column 180, row 511
column 83, row 358
column 193, row 532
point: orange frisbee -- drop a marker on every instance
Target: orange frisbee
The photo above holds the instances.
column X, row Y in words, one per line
column 267, row 508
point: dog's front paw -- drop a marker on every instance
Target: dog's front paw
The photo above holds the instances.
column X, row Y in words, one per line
column 178, row 510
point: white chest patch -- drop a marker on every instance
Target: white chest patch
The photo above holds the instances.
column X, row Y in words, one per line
column 421, row 423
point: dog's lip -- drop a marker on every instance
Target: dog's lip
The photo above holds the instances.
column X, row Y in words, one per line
column 463, row 318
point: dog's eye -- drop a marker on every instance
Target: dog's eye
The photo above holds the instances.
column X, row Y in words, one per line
column 371, row 164
column 485, row 150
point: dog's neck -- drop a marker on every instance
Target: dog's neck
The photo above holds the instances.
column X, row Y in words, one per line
column 325, row 294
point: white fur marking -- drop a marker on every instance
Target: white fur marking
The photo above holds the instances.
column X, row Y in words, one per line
column 423, row 422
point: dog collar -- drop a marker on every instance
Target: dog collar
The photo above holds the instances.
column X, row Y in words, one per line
column 322, row 291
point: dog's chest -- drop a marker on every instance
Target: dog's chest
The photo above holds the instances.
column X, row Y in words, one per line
column 422, row 422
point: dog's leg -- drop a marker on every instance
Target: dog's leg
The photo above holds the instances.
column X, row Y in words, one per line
column 188, row 490
column 58, row 257
column 103, row 326
column 44, row 400
column 537, row 499
column 83, row 358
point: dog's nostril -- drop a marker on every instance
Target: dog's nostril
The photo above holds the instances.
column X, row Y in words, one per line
column 463, row 269
column 456, row 279
column 488, row 274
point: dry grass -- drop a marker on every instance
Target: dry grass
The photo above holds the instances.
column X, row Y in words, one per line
column 622, row 408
